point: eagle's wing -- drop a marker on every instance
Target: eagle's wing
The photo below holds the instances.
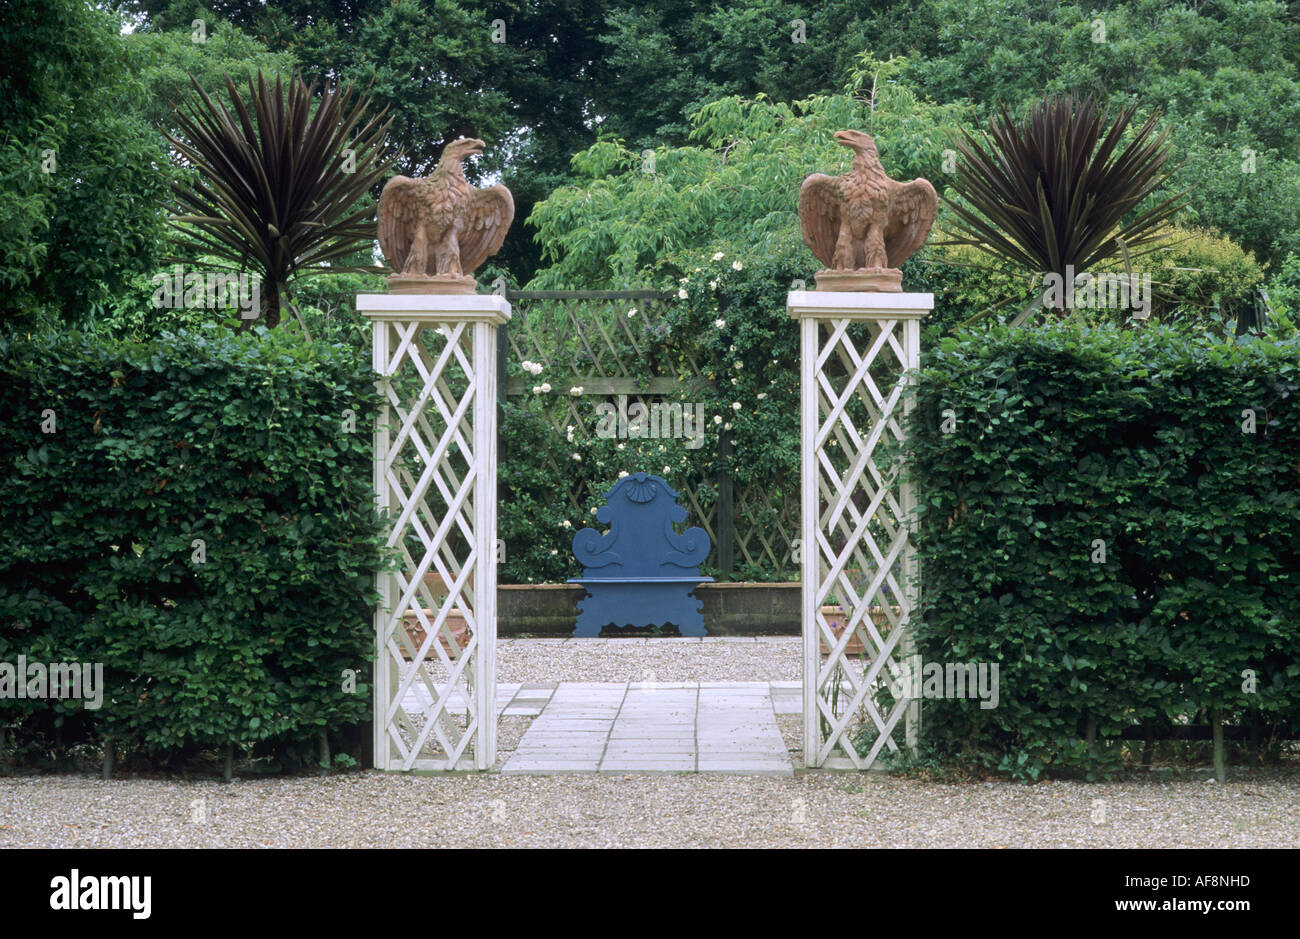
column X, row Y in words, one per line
column 915, row 205
column 819, row 215
column 485, row 223
column 397, row 219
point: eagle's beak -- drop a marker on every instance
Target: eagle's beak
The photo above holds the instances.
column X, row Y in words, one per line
column 476, row 147
column 843, row 138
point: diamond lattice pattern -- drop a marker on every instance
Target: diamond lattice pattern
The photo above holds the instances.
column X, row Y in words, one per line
column 861, row 540
column 429, row 633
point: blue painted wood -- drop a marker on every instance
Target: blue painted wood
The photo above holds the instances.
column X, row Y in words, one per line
column 640, row 572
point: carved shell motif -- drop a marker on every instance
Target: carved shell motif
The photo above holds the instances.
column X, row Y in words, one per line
column 641, row 489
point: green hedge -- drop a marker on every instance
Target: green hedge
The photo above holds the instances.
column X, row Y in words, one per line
column 259, row 447
column 1068, row 436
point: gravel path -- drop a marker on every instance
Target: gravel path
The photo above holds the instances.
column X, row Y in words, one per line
column 722, row 658
column 813, row 810
column 370, row 809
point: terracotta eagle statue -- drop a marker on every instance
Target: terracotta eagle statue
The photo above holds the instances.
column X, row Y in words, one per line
column 434, row 231
column 864, row 225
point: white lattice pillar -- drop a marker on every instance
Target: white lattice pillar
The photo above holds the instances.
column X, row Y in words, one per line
column 856, row 350
column 435, row 477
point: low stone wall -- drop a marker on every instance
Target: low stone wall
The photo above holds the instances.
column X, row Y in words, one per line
column 743, row 609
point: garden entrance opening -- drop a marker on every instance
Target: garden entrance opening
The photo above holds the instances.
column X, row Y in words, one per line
column 440, row 700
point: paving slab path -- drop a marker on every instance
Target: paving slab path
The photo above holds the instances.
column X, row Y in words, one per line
column 658, row 727
column 646, row 727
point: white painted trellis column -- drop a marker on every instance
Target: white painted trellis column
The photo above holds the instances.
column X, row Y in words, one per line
column 435, row 474
column 849, row 343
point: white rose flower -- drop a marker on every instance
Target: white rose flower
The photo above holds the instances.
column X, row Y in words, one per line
column 632, row 312
column 717, row 419
column 681, row 294
column 568, row 524
column 621, row 446
column 577, row 458
column 554, row 552
column 713, row 285
column 735, row 405
column 575, row 390
column 537, row 389
column 727, row 426
column 622, row 473
column 666, row 470
column 762, row 395
column 735, row 381
column 546, row 388
column 719, row 323
column 737, row 266
column 719, row 256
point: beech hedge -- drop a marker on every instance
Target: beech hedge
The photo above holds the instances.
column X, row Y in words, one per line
column 194, row 514
column 1113, row 517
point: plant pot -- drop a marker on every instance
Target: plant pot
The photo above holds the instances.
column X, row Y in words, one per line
column 839, row 620
column 455, row 622
column 438, row 586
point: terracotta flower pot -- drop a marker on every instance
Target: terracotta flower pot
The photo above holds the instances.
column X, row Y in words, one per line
column 455, row 622
column 839, row 620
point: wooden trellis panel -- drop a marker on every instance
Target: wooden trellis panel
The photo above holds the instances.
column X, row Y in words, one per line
column 435, row 477
column 856, row 350
column 587, row 339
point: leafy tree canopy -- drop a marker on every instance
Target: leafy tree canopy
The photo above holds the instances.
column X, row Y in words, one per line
column 570, row 72
column 642, row 219
column 82, row 174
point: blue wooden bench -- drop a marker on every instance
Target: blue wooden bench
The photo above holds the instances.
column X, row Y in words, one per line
column 640, row 572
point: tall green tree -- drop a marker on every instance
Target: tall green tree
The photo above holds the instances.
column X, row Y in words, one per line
column 570, row 71
column 630, row 220
column 83, row 175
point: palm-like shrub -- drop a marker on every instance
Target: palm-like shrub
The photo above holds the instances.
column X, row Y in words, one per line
column 283, row 190
column 1056, row 191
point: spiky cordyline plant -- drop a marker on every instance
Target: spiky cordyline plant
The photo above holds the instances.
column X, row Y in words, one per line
column 282, row 191
column 1056, row 191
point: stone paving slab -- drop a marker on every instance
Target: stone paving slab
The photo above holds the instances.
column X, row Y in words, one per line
column 642, row 727
column 650, row 727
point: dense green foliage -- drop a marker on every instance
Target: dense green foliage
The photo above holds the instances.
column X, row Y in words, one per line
column 195, row 514
column 82, row 172
column 1102, row 520
column 734, row 187
column 571, row 71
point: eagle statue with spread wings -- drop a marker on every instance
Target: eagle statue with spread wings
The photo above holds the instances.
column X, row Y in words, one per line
column 434, row 231
column 864, row 225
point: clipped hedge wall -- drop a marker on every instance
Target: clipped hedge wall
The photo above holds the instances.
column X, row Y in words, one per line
column 1097, row 519
column 193, row 512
